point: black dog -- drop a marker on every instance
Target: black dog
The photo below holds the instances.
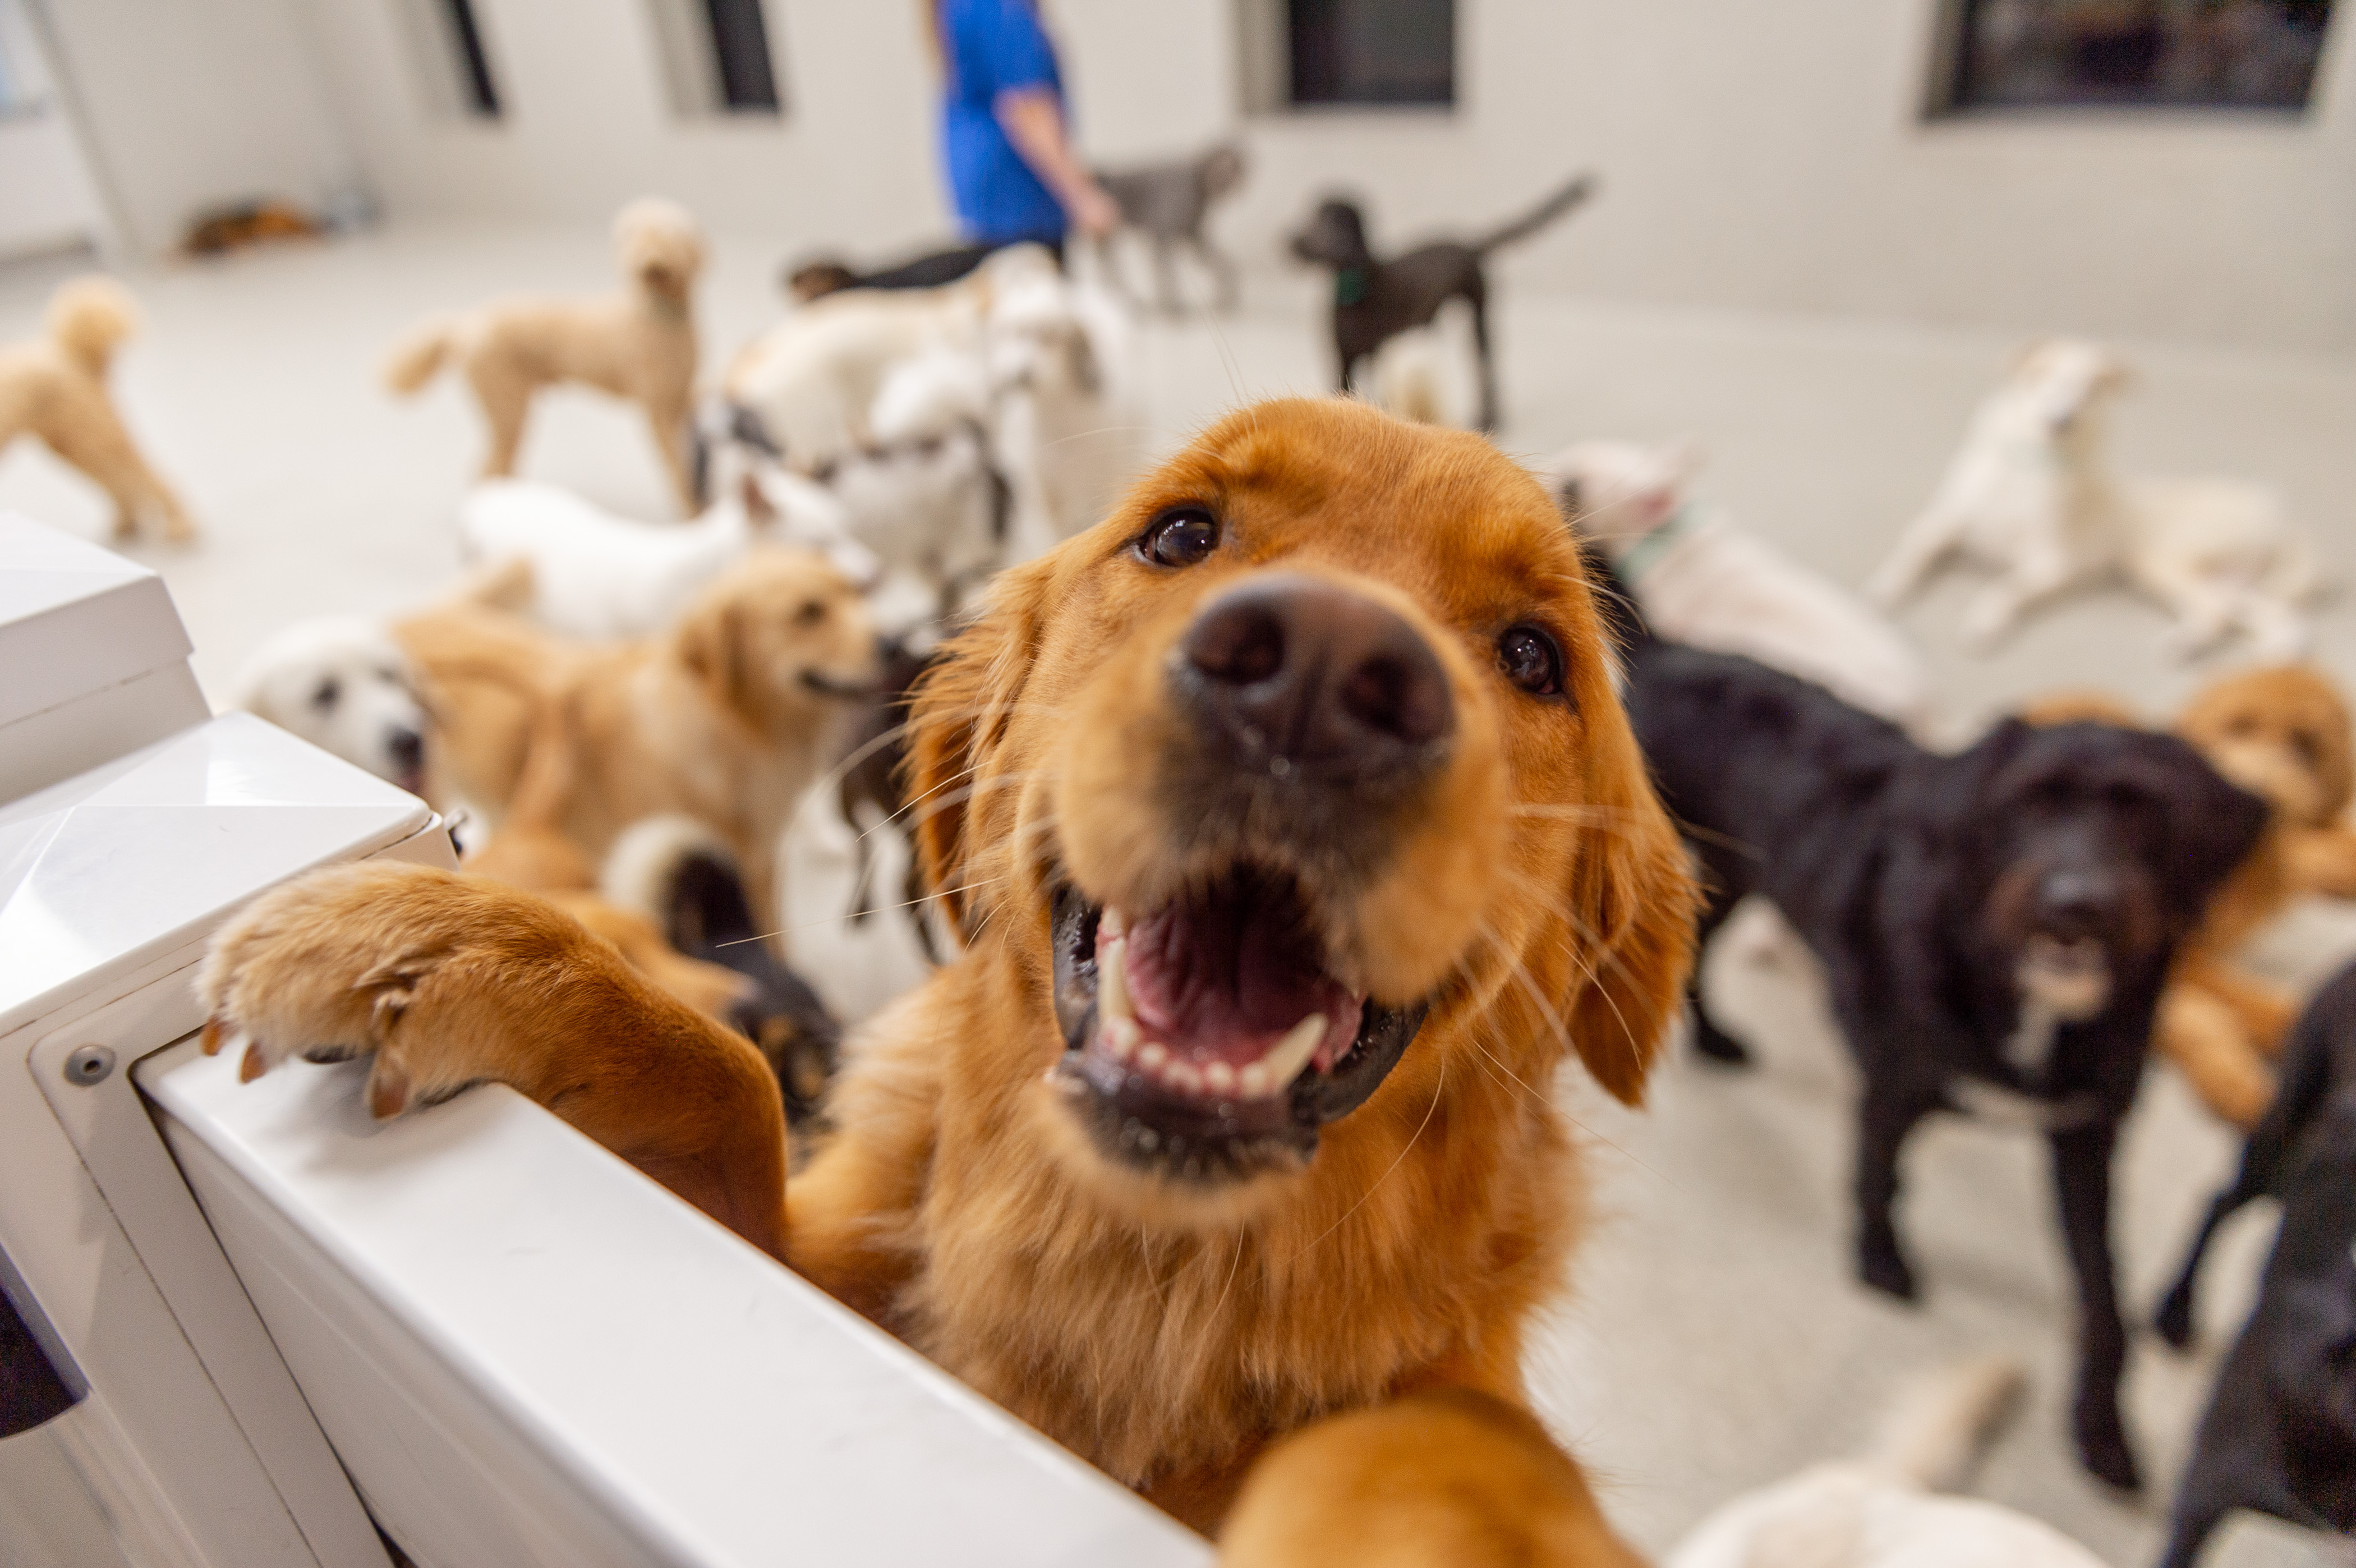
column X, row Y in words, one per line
column 2280, row 1435
column 1374, row 301
column 705, row 915
column 1995, row 926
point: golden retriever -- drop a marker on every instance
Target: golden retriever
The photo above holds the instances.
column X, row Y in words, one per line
column 54, row 387
column 727, row 719
column 638, row 344
column 2283, row 734
column 1295, row 838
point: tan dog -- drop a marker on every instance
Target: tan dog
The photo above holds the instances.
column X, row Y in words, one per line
column 2282, row 733
column 1296, row 839
column 638, row 344
column 55, row 388
column 727, row 719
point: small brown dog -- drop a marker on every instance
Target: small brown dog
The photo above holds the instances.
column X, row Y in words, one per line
column 727, row 719
column 1296, row 840
column 54, row 387
column 2284, row 735
column 639, row 344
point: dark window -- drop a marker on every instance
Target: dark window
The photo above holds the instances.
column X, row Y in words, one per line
column 475, row 89
column 1372, row 51
column 2197, row 54
column 740, row 43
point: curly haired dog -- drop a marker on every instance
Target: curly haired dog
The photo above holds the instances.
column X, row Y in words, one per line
column 2284, row 735
column 1295, row 838
column 54, row 387
column 638, row 344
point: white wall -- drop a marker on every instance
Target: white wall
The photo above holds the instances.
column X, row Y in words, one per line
column 1755, row 155
column 185, row 104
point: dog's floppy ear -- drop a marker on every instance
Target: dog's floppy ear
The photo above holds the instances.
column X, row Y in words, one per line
column 1633, row 901
column 2212, row 824
column 957, row 718
column 710, row 642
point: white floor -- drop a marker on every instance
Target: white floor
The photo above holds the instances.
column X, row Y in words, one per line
column 1715, row 1340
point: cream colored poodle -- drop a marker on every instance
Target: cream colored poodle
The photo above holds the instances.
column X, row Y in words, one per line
column 638, row 344
column 55, row 388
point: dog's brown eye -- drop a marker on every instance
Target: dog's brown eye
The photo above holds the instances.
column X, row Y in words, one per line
column 809, row 614
column 1531, row 660
column 324, row 697
column 1183, row 536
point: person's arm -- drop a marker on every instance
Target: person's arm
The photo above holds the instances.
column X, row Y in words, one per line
column 1034, row 121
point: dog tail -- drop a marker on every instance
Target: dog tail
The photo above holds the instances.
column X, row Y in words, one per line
column 1539, row 217
column 418, row 358
column 1942, row 1424
column 88, row 316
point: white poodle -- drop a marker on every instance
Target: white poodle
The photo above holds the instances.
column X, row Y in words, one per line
column 2032, row 496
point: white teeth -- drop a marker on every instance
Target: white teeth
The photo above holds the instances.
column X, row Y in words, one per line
column 1220, row 1077
column 1253, row 1081
column 1292, row 1053
column 1183, row 1077
column 1113, row 924
column 1119, row 1036
column 1112, row 981
column 1152, row 1055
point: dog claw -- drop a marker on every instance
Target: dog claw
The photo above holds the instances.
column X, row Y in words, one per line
column 211, row 1041
column 253, row 1064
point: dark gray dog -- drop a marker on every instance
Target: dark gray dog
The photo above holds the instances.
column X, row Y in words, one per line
column 1167, row 204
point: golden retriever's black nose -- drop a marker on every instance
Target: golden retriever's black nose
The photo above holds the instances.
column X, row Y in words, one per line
column 1298, row 675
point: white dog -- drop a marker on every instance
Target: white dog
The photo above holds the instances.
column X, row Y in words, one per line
column 596, row 575
column 1044, row 377
column 1883, row 1510
column 344, row 685
column 1701, row 580
column 2031, row 495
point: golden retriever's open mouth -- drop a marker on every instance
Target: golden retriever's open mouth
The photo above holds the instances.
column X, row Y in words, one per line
column 1208, row 1041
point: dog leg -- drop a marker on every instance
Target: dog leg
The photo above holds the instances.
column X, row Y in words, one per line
column 2198, row 1031
column 2203, row 612
column 1479, row 299
column 668, row 422
column 504, row 398
column 1997, row 609
column 1220, row 266
column 1450, row 1475
column 2082, row 1178
column 448, row 981
column 96, row 443
column 1927, row 541
column 1883, row 1123
column 1165, row 277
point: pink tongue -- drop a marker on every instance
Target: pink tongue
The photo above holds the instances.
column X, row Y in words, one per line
column 1224, row 978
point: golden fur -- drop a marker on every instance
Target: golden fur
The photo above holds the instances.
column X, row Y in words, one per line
column 727, row 719
column 637, row 344
column 1536, row 895
column 2283, row 734
column 54, row 387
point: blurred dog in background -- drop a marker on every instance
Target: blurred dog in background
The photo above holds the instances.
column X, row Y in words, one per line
column 638, row 344
column 1166, row 204
column 346, row 686
column 53, row 389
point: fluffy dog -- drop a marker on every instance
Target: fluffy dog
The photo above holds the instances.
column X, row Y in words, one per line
column 1167, row 203
column 2280, row 1434
column 1704, row 582
column 726, row 719
column 1295, row 838
column 53, row 389
column 595, row 575
column 1374, row 299
column 673, row 902
column 1995, row 926
column 1885, row 1508
column 2032, row 496
column 346, row 686
column 638, row 344
column 2283, row 735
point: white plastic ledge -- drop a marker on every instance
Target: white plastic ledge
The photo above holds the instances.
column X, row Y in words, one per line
column 525, row 1352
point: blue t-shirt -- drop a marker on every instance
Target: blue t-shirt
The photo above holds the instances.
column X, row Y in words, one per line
column 993, row 47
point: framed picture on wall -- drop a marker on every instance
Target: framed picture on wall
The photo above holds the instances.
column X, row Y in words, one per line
column 1998, row 55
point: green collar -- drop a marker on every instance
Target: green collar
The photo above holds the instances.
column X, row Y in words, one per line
column 1646, row 553
column 1351, row 285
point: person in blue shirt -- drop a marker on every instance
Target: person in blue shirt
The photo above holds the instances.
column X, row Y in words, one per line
column 1005, row 144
